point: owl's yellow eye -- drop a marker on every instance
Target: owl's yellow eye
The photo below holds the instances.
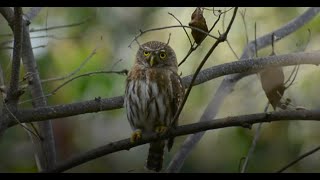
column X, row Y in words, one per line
column 146, row 53
column 163, row 55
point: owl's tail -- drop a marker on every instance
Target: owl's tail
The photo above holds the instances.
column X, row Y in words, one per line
column 155, row 157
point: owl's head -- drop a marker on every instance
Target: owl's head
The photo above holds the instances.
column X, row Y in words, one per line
column 155, row 54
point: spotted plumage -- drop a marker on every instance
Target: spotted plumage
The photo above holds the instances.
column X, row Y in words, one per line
column 153, row 94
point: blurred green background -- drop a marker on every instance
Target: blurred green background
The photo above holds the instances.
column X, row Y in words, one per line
column 111, row 30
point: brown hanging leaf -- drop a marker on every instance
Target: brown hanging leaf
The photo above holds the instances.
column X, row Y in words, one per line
column 198, row 21
column 272, row 81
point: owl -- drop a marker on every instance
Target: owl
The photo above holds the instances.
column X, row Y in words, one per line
column 153, row 94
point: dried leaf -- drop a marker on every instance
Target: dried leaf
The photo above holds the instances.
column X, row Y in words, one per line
column 272, row 81
column 198, row 21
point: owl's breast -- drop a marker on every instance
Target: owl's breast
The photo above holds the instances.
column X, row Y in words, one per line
column 147, row 101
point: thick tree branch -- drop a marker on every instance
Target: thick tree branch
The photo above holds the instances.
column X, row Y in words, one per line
column 47, row 144
column 12, row 94
column 245, row 121
column 13, row 91
column 229, row 82
column 7, row 13
column 46, row 149
column 248, row 66
column 51, row 112
column 280, row 33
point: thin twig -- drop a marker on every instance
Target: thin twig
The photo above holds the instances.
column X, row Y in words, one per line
column 62, row 26
column 36, row 47
column 221, row 38
column 168, row 27
column 255, row 40
column 40, row 46
column 76, row 77
column 87, row 74
column 194, row 48
column 308, row 40
column 35, row 134
column 73, row 72
column 296, row 68
column 56, row 27
column 243, row 16
column 294, row 77
column 236, row 121
column 55, row 37
column 182, row 27
column 291, row 74
column 298, row 159
column 168, row 39
column 219, row 11
column 253, row 144
column 115, row 64
column 230, row 47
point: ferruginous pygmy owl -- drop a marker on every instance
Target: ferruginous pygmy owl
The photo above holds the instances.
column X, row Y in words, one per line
column 153, row 94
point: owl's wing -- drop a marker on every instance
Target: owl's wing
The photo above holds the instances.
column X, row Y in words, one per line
column 178, row 94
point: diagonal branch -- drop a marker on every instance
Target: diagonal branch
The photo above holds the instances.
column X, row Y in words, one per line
column 229, row 82
column 74, row 78
column 7, row 13
column 298, row 159
column 221, row 39
column 248, row 67
column 245, row 121
column 74, row 71
column 184, row 29
column 63, row 26
column 47, row 144
column 253, row 144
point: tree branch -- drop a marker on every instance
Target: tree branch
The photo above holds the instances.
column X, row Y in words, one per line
column 7, row 13
column 77, row 77
column 13, row 91
column 236, row 121
column 229, row 82
column 62, row 26
column 193, row 48
column 249, row 66
column 253, row 144
column 221, row 39
column 74, row 71
column 168, row 27
column 298, row 159
column 46, row 148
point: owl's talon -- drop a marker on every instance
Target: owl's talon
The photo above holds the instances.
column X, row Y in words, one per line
column 136, row 135
column 161, row 129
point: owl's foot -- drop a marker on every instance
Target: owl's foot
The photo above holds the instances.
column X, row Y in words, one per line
column 161, row 129
column 136, row 135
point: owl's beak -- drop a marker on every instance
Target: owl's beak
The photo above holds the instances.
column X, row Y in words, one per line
column 152, row 60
